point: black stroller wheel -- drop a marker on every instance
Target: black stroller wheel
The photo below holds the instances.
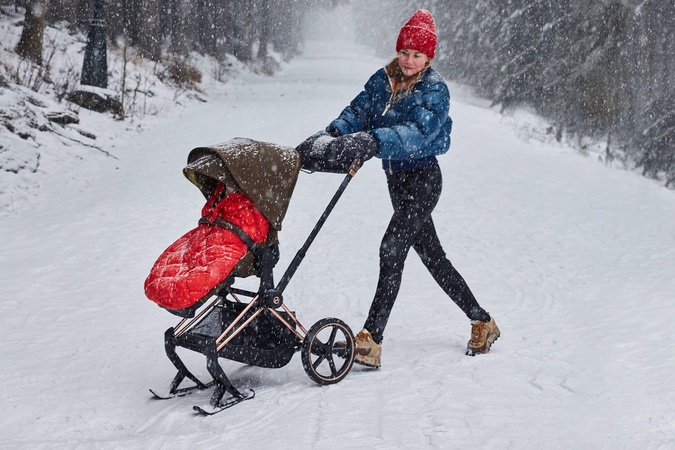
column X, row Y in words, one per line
column 328, row 351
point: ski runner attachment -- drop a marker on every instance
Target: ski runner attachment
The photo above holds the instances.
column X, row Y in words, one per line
column 182, row 392
column 210, row 410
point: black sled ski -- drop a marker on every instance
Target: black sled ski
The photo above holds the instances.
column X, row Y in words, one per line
column 230, row 402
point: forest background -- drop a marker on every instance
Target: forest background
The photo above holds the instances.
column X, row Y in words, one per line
column 597, row 70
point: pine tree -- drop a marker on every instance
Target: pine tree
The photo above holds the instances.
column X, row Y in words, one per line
column 655, row 24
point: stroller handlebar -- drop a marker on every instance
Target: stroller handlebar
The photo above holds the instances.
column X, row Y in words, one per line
column 357, row 163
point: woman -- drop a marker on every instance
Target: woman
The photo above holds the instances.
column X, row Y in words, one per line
column 402, row 113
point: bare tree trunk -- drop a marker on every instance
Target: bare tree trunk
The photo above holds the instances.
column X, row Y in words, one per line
column 32, row 36
column 83, row 12
column 173, row 20
column 152, row 42
column 265, row 30
column 133, row 22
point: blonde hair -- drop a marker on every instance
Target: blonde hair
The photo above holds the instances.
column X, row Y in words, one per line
column 403, row 85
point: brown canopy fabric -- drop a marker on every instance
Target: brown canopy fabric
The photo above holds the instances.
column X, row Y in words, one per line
column 265, row 172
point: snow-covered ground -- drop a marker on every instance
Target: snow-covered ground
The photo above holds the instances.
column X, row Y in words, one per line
column 576, row 261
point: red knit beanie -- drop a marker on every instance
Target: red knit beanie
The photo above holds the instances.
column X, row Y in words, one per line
column 418, row 33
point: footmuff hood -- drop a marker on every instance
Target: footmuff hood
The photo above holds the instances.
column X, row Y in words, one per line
column 265, row 172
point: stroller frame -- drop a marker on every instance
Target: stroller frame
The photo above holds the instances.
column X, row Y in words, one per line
column 327, row 348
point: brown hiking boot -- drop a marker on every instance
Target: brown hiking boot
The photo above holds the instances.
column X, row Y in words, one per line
column 368, row 352
column 483, row 334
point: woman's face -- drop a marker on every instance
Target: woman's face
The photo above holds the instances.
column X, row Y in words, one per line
column 411, row 61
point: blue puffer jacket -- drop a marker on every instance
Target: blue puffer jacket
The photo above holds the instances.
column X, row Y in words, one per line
column 412, row 130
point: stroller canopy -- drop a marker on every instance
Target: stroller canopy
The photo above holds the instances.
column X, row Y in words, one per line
column 265, row 172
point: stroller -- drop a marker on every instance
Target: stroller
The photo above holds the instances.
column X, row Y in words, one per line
column 254, row 328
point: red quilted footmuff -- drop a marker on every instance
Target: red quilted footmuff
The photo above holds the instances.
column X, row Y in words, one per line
column 202, row 258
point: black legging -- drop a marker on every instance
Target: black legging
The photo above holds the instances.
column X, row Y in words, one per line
column 414, row 195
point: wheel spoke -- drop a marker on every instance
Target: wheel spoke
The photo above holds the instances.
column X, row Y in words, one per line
column 331, row 340
column 318, row 362
column 331, row 363
column 341, row 349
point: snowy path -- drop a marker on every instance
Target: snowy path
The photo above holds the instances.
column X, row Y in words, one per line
column 576, row 262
